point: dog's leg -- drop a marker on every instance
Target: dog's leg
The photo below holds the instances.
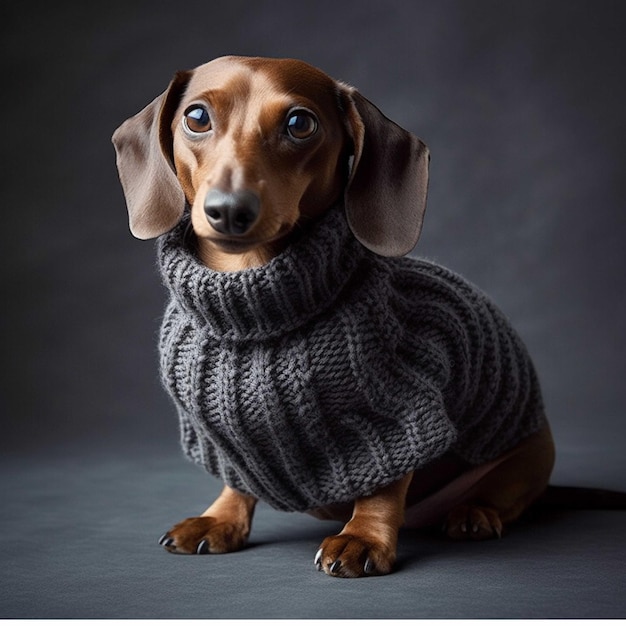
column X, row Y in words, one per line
column 503, row 494
column 223, row 527
column 367, row 543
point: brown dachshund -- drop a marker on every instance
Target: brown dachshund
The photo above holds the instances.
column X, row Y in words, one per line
column 258, row 149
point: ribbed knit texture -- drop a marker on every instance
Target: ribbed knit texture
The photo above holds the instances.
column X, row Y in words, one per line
column 331, row 372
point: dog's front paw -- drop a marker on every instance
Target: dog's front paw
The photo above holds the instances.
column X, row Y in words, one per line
column 349, row 556
column 204, row 535
column 473, row 522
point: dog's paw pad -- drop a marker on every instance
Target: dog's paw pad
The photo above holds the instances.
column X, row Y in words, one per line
column 473, row 522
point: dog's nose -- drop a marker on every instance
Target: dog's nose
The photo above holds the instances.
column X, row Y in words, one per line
column 231, row 213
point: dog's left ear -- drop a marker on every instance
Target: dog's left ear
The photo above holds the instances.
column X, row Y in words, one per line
column 143, row 144
column 386, row 192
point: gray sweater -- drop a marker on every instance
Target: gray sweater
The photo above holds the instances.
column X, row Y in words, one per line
column 331, row 372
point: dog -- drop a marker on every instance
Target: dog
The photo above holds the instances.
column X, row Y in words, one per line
column 254, row 152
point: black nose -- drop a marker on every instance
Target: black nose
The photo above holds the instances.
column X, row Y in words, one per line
column 231, row 213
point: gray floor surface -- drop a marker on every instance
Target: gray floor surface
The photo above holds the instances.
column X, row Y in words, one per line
column 79, row 540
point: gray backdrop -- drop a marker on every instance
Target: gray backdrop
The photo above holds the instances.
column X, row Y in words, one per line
column 521, row 103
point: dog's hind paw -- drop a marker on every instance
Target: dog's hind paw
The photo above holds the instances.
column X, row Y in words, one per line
column 473, row 522
column 204, row 535
column 349, row 556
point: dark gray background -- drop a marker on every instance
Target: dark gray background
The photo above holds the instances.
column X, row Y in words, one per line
column 523, row 107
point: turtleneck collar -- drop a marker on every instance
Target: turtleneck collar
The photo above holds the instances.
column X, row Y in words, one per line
column 261, row 303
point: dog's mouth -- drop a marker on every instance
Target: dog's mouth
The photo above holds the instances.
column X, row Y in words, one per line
column 234, row 246
column 239, row 245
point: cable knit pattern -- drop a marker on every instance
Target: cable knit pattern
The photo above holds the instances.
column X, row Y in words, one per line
column 331, row 372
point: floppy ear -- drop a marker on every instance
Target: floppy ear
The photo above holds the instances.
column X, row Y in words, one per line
column 143, row 145
column 385, row 196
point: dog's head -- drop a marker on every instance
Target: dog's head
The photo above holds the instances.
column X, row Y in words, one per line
column 254, row 145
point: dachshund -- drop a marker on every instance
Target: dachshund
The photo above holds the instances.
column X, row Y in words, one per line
column 255, row 150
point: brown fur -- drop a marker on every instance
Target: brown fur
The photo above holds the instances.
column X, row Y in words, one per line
column 384, row 194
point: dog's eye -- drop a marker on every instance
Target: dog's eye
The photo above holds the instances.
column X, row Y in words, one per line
column 301, row 124
column 196, row 119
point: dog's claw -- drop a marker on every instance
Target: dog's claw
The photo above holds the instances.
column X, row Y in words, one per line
column 368, row 568
column 203, row 547
column 318, row 560
column 166, row 541
column 334, row 568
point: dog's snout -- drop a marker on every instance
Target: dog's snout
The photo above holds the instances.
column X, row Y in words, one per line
column 232, row 213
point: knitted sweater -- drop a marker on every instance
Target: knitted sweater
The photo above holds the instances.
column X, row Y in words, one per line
column 331, row 372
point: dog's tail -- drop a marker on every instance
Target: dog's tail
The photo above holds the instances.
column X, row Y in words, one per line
column 558, row 498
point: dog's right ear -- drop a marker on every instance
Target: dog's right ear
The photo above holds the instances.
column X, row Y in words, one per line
column 143, row 145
